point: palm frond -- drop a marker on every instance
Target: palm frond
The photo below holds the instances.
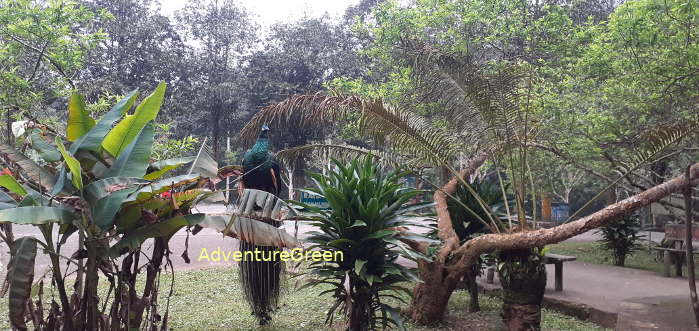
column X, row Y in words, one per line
column 342, row 152
column 404, row 132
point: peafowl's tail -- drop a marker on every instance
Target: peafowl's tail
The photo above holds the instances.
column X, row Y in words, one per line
column 261, row 278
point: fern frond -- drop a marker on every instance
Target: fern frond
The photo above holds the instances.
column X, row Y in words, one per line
column 342, row 152
column 657, row 140
column 404, row 132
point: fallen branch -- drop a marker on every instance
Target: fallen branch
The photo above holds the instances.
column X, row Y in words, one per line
column 469, row 252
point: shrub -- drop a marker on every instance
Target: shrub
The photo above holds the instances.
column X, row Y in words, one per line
column 363, row 221
column 620, row 238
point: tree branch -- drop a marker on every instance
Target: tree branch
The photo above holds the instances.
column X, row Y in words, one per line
column 446, row 230
column 469, row 252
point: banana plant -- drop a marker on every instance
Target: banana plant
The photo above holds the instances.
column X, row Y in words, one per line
column 98, row 186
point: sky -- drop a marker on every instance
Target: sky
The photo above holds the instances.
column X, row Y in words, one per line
column 268, row 12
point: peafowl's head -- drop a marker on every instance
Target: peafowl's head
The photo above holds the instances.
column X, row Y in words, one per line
column 264, row 130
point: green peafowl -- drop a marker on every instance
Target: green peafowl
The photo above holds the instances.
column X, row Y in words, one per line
column 261, row 279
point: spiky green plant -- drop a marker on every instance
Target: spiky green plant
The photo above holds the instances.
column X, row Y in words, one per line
column 621, row 238
column 367, row 209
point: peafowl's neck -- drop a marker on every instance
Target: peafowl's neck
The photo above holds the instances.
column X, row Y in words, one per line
column 261, row 145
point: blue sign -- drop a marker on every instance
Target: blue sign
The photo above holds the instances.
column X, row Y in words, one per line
column 560, row 212
column 314, row 200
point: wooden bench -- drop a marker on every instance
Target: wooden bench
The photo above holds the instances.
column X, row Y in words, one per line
column 672, row 256
column 675, row 234
column 555, row 259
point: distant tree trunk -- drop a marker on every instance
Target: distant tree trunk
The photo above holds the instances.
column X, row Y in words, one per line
column 9, row 137
column 216, row 132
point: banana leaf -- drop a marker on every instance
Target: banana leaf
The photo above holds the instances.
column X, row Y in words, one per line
column 79, row 120
column 20, row 278
column 166, row 228
column 47, row 151
column 92, row 140
column 161, row 167
column 35, row 172
column 128, row 128
column 134, row 159
column 37, row 215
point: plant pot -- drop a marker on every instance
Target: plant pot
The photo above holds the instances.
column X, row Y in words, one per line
column 523, row 277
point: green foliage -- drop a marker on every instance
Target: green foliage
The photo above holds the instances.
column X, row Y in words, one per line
column 42, row 48
column 362, row 223
column 621, row 238
column 116, row 195
column 467, row 216
column 168, row 147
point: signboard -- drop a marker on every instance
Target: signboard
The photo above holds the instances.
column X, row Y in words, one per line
column 559, row 212
column 679, row 231
column 314, row 200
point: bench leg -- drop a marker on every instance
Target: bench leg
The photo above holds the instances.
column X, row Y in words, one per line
column 559, row 276
column 678, row 264
column 667, row 262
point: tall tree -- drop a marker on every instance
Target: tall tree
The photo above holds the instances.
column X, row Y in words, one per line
column 221, row 32
column 300, row 57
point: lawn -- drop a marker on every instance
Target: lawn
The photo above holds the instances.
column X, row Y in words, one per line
column 211, row 299
column 592, row 252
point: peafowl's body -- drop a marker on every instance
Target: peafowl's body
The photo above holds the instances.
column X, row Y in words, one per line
column 261, row 279
column 260, row 168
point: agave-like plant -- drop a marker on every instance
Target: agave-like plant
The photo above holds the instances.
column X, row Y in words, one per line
column 364, row 226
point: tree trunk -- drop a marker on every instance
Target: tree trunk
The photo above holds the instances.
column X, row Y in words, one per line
column 430, row 298
column 689, row 209
column 359, row 307
column 472, row 286
column 523, row 279
column 620, row 260
column 472, row 249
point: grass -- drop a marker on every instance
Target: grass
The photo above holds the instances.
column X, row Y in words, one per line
column 211, row 299
column 593, row 252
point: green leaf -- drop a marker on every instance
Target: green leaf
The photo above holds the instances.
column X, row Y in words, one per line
column 92, row 140
column 104, row 210
column 128, row 128
column 47, row 151
column 165, row 228
column 104, row 187
column 166, row 165
column 12, row 185
column 79, row 120
column 20, row 278
column 358, row 265
column 33, row 170
column 133, row 162
column 72, row 163
column 163, row 185
column 37, row 215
